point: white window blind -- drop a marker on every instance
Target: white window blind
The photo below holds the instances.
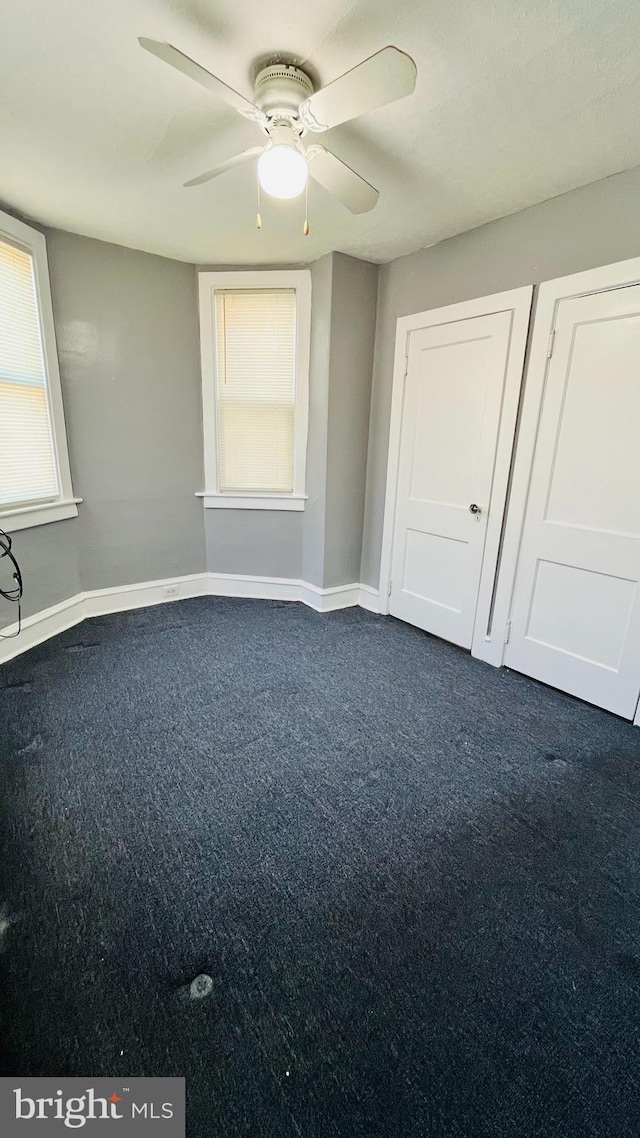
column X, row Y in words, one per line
column 256, row 381
column 28, row 469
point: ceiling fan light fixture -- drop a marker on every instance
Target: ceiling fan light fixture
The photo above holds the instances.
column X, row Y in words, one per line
column 286, row 107
column 283, row 170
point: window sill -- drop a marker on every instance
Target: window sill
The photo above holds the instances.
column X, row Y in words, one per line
column 23, row 517
column 252, row 501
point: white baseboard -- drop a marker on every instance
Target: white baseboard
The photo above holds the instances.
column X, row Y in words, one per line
column 284, row 589
column 258, row 588
column 99, row 602
column 369, row 598
column 41, row 626
column 328, row 600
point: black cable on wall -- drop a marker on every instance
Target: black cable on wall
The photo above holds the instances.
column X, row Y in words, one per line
column 13, row 594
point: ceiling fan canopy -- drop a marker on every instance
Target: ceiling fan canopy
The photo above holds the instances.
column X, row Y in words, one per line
column 286, row 108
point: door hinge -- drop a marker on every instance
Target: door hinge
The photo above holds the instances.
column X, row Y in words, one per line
column 389, row 588
column 507, row 632
column 406, row 366
column 552, row 340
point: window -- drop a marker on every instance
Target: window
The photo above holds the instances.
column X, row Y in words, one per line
column 255, row 331
column 35, row 484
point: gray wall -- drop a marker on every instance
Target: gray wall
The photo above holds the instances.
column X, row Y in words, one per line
column 127, row 330
column 258, row 543
column 343, row 329
column 353, row 325
column 595, row 225
column 313, row 519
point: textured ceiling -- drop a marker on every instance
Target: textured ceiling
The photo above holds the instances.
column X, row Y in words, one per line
column 516, row 101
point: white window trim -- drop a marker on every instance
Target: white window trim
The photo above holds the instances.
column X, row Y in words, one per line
column 65, row 505
column 300, row 280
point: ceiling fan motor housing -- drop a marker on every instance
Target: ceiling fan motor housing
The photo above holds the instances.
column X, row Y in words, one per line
column 280, row 88
column 286, row 107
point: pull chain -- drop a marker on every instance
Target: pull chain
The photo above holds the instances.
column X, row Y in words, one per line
column 305, row 227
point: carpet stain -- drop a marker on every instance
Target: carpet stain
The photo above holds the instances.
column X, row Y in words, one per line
column 629, row 964
column 201, row 987
column 6, row 921
column 32, row 747
column 556, row 760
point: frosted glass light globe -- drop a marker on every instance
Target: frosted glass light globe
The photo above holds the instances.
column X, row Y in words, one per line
column 282, row 171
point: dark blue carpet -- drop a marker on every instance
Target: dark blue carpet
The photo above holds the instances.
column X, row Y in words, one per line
column 413, row 878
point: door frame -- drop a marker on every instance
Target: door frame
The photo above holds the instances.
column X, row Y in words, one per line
column 550, row 293
column 518, row 302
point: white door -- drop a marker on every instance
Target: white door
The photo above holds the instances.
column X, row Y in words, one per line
column 451, row 412
column 575, row 620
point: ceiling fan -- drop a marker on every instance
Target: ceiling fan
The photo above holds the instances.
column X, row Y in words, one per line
column 286, row 108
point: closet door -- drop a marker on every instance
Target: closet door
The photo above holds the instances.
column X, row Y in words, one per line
column 450, row 423
column 456, row 386
column 575, row 618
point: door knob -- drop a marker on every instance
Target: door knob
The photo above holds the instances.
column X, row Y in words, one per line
column 473, row 509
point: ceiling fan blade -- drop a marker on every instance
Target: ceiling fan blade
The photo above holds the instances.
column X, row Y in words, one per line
column 227, row 165
column 169, row 54
column 384, row 77
column 340, row 180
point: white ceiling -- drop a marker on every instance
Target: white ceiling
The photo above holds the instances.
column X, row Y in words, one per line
column 516, row 101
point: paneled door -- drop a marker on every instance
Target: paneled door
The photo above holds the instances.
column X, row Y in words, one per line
column 451, row 470
column 575, row 619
